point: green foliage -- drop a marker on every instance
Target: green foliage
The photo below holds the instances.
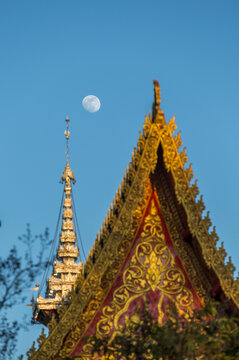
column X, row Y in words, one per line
column 205, row 334
column 16, row 275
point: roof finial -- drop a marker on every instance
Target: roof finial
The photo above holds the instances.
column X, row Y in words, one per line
column 67, row 173
column 158, row 116
column 157, row 97
column 67, row 135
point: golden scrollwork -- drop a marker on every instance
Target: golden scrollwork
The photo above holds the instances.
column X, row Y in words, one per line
column 151, row 267
column 118, row 232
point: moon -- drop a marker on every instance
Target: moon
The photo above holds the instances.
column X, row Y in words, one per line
column 91, row 103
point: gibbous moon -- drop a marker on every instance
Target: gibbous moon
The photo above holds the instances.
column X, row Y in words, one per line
column 91, row 103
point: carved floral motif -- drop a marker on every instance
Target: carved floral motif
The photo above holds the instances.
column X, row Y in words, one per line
column 151, row 267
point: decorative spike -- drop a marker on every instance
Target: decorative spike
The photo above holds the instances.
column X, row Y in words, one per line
column 195, row 189
column 183, row 156
column 150, row 116
column 189, row 172
column 125, row 176
column 138, row 146
column 200, row 204
column 32, row 351
column 171, row 125
column 230, row 267
column 178, row 140
column 91, row 252
column 146, row 127
column 207, row 221
column 222, row 253
column 214, row 235
column 127, row 169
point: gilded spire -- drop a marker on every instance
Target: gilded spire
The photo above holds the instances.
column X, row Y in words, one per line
column 67, row 173
column 65, row 268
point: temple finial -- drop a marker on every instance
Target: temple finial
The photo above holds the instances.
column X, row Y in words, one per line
column 157, row 95
column 67, row 135
column 67, row 173
column 158, row 116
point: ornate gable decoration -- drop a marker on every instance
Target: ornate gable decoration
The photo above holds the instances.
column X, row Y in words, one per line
column 112, row 246
column 151, row 273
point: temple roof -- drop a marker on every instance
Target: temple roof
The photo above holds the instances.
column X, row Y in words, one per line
column 157, row 146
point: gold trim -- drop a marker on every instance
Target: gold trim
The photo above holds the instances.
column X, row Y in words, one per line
column 151, row 267
column 118, row 225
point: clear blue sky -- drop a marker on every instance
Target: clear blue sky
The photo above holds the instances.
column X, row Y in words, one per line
column 53, row 53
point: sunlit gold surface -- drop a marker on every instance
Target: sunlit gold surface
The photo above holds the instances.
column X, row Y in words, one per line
column 118, row 230
column 65, row 269
column 151, row 267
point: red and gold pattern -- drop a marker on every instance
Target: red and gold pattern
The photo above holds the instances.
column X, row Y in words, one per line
column 152, row 273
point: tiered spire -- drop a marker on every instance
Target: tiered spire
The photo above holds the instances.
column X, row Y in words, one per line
column 65, row 268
